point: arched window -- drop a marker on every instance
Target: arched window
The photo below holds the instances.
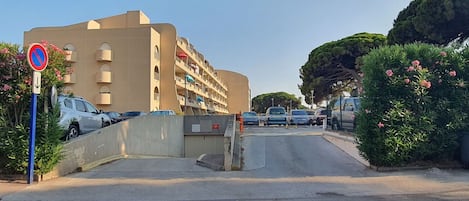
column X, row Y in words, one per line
column 68, row 90
column 104, row 90
column 105, row 46
column 69, row 47
column 157, row 52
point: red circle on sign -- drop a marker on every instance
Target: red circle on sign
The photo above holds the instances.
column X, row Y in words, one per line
column 37, row 57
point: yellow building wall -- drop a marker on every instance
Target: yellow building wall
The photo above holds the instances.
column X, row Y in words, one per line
column 239, row 99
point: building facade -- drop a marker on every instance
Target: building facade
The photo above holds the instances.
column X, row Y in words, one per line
column 125, row 63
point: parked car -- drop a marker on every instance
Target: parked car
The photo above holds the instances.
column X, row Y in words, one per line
column 162, row 113
column 343, row 113
column 322, row 114
column 298, row 117
column 78, row 116
column 311, row 116
column 131, row 114
column 276, row 115
column 115, row 116
column 250, row 118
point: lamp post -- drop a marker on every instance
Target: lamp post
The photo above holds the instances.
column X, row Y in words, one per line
column 272, row 101
column 312, row 98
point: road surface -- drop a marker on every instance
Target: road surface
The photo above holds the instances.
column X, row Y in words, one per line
column 298, row 164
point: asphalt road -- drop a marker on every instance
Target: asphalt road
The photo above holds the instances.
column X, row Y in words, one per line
column 297, row 164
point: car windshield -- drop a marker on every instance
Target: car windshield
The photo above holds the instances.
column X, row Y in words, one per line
column 299, row 112
column 249, row 114
column 277, row 111
column 131, row 114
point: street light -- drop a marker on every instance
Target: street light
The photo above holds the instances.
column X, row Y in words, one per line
column 272, row 101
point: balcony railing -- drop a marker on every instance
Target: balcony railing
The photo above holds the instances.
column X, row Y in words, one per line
column 103, row 77
column 103, row 55
column 103, row 99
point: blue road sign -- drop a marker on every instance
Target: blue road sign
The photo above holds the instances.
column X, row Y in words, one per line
column 37, row 57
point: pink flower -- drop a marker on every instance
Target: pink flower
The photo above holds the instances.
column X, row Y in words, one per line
column 28, row 80
column 452, row 73
column 407, row 80
column 6, row 87
column 380, row 125
column 415, row 63
column 443, row 54
column 411, row 68
column 4, row 51
column 426, row 84
column 389, row 73
column 20, row 56
column 367, row 111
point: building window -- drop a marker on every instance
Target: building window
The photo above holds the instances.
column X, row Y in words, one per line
column 157, row 52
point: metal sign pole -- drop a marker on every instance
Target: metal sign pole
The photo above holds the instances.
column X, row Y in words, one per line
column 32, row 124
column 37, row 58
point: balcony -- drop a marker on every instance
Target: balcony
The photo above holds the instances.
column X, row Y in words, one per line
column 103, row 55
column 70, row 56
column 103, row 99
column 70, row 78
column 103, row 77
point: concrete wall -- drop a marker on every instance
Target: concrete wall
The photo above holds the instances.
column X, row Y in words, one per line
column 143, row 136
column 203, row 144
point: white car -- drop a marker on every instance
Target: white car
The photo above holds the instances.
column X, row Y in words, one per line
column 78, row 116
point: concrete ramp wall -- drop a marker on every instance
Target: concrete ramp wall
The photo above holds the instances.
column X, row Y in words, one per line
column 143, row 136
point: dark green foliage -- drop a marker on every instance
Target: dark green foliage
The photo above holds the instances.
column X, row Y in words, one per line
column 431, row 21
column 336, row 61
column 418, row 121
column 49, row 146
column 15, row 103
column 261, row 102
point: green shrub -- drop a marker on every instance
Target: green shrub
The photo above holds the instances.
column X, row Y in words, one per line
column 15, row 102
column 413, row 104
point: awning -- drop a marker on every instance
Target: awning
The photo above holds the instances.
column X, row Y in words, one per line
column 189, row 78
column 181, row 55
column 200, row 99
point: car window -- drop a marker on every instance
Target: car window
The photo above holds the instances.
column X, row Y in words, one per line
column 68, row 103
column 90, row 108
column 299, row 112
column 80, row 105
column 249, row 114
column 277, row 111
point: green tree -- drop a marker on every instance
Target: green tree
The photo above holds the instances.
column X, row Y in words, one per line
column 336, row 62
column 431, row 21
column 261, row 102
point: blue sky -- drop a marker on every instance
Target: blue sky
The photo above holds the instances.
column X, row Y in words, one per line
column 266, row 40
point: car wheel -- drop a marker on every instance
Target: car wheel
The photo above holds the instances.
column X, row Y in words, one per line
column 72, row 132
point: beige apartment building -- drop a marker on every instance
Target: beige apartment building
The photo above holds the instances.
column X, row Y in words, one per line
column 124, row 63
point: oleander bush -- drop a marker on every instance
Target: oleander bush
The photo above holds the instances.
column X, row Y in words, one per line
column 15, row 103
column 414, row 104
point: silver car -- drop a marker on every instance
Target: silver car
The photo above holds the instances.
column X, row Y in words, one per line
column 79, row 116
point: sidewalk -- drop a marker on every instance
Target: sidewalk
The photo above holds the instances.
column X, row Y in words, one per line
column 8, row 186
column 347, row 144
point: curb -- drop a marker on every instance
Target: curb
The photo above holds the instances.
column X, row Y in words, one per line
column 209, row 161
column 351, row 139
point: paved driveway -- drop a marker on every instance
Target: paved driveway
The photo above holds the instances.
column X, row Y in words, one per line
column 299, row 165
